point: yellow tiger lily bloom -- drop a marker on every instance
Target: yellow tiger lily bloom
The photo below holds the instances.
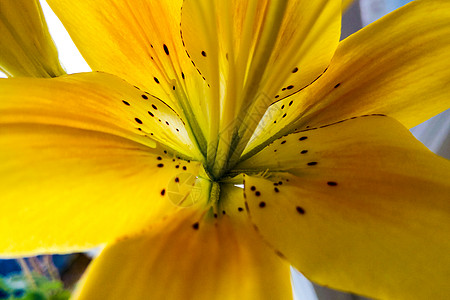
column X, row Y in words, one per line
column 188, row 101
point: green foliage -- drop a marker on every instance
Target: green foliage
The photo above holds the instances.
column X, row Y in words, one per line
column 18, row 287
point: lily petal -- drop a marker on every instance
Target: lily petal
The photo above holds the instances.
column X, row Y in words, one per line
column 190, row 256
column 359, row 206
column 95, row 101
column 67, row 189
column 141, row 43
column 27, row 49
column 253, row 52
column 269, row 45
column 384, row 68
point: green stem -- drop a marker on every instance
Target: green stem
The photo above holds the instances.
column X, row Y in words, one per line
column 26, row 271
column 215, row 192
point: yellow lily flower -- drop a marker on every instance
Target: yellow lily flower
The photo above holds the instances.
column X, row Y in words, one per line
column 188, row 100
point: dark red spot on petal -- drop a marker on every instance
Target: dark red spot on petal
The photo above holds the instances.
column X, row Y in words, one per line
column 300, row 210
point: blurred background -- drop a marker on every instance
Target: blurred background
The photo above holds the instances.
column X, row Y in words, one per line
column 63, row 271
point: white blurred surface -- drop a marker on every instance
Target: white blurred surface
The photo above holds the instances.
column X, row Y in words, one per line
column 302, row 287
column 372, row 10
